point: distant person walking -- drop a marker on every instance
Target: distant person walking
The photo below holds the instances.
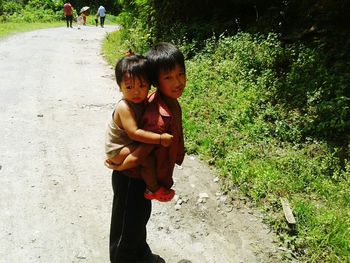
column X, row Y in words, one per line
column 68, row 12
column 80, row 20
column 96, row 20
column 101, row 12
column 84, row 15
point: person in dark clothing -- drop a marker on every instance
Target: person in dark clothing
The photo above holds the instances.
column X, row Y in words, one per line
column 68, row 12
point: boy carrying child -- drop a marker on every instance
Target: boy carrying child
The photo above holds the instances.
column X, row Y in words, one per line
column 130, row 210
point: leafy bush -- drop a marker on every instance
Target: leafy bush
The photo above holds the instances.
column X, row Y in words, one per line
column 10, row 8
column 267, row 116
column 137, row 21
column 34, row 11
column 41, row 4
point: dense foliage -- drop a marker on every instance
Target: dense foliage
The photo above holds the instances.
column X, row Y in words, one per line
column 31, row 11
column 269, row 110
column 265, row 131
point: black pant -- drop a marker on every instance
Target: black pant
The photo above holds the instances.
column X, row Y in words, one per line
column 102, row 21
column 130, row 214
column 69, row 20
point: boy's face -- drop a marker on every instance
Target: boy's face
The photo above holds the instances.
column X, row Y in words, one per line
column 134, row 89
column 172, row 83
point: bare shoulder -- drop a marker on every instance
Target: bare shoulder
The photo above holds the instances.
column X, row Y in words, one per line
column 122, row 111
column 122, row 106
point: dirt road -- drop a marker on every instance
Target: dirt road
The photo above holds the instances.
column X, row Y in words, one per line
column 56, row 95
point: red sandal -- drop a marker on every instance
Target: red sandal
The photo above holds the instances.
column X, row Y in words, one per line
column 162, row 194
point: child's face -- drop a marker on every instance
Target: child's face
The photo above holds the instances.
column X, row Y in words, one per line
column 172, row 83
column 134, row 89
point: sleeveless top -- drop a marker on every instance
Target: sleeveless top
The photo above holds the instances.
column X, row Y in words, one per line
column 116, row 137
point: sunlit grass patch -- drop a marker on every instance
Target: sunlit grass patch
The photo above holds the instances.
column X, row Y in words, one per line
column 8, row 28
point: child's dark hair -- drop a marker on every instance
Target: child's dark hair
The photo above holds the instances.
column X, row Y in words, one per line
column 135, row 65
column 163, row 57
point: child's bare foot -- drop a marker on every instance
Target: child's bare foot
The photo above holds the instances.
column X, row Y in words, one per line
column 162, row 194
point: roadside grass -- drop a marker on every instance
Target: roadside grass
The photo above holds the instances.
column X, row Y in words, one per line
column 113, row 47
column 9, row 28
column 250, row 109
column 235, row 119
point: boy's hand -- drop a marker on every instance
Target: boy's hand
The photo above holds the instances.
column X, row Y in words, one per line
column 166, row 139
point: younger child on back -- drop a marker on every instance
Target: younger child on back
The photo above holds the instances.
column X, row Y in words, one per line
column 122, row 132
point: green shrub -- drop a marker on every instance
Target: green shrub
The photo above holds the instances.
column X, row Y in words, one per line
column 11, row 7
column 265, row 115
column 41, row 4
column 34, row 11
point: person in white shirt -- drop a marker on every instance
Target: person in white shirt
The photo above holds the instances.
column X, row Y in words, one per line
column 101, row 13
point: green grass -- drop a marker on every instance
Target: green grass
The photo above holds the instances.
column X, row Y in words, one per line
column 113, row 47
column 236, row 118
column 10, row 28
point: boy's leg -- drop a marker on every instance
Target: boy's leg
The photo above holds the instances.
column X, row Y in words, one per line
column 130, row 214
column 154, row 190
column 148, row 173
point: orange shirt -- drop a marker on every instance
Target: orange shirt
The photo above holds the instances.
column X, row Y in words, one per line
column 161, row 118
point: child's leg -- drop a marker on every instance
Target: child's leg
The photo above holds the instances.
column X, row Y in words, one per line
column 134, row 155
column 124, row 152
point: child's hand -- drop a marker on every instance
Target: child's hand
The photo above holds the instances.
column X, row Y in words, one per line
column 112, row 166
column 166, row 139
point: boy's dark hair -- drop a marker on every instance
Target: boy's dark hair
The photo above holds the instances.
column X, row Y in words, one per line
column 163, row 57
column 135, row 65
